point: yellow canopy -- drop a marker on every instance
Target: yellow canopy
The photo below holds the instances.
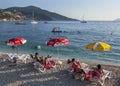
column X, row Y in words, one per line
column 98, row 46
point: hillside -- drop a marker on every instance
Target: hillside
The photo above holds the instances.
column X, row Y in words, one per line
column 39, row 14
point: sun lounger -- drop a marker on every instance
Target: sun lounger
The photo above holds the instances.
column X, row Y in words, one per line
column 79, row 73
column 11, row 56
column 107, row 74
column 84, row 67
column 23, row 57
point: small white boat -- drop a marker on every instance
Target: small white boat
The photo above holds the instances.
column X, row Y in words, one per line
column 34, row 22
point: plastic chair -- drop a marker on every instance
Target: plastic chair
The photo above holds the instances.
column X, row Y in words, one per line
column 107, row 74
column 24, row 58
column 11, row 56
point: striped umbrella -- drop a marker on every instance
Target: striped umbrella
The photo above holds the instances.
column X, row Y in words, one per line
column 14, row 42
column 98, row 46
column 56, row 42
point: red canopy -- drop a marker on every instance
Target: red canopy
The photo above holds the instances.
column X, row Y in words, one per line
column 15, row 41
column 57, row 42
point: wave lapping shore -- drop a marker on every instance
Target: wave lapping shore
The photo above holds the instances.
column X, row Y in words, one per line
column 25, row 75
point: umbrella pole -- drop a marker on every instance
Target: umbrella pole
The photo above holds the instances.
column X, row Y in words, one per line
column 17, row 50
column 14, row 49
column 97, row 55
column 58, row 51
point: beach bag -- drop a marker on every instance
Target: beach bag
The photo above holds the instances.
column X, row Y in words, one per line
column 87, row 76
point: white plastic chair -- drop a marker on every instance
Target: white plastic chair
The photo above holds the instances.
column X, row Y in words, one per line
column 84, row 65
column 24, row 58
column 11, row 56
column 107, row 74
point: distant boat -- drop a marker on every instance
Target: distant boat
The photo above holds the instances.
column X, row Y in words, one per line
column 33, row 20
column 45, row 22
column 83, row 21
column 20, row 23
column 56, row 29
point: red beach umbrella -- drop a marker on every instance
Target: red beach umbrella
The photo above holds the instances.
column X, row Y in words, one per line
column 16, row 41
column 56, row 42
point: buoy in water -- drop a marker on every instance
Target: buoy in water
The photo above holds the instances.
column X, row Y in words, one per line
column 38, row 47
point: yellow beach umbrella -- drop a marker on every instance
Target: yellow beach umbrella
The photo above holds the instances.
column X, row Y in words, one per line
column 98, row 46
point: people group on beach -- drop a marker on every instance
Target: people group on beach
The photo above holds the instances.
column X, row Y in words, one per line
column 45, row 61
column 76, row 67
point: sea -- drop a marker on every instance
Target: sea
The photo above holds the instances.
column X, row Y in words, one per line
column 79, row 34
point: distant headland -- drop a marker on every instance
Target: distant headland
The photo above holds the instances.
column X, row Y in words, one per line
column 26, row 13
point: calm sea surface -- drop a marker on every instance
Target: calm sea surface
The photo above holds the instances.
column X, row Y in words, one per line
column 79, row 34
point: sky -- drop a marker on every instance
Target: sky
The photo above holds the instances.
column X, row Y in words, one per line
column 90, row 9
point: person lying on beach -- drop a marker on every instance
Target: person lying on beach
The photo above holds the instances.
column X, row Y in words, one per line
column 48, row 63
column 47, row 60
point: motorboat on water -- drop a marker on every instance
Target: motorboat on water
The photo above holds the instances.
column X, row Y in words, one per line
column 20, row 23
column 56, row 29
column 45, row 22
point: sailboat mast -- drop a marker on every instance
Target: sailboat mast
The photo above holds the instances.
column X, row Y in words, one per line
column 33, row 15
column 83, row 20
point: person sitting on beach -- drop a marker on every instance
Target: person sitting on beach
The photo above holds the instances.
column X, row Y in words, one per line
column 97, row 72
column 76, row 66
column 47, row 62
column 38, row 58
column 73, row 63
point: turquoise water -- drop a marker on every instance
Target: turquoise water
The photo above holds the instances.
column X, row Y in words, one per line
column 79, row 34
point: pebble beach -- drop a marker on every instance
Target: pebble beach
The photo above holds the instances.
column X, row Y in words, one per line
column 25, row 75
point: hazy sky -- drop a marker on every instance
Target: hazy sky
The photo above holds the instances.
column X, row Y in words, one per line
column 91, row 9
